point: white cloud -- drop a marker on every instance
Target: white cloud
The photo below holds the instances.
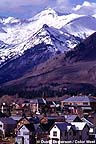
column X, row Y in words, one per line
column 66, row 6
column 87, row 8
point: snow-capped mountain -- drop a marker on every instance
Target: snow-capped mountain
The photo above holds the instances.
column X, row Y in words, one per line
column 62, row 32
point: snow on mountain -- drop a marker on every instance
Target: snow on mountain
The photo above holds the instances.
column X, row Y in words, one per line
column 60, row 31
column 81, row 27
column 56, row 38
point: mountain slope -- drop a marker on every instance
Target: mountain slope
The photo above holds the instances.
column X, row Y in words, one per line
column 74, row 70
column 44, row 44
column 25, row 44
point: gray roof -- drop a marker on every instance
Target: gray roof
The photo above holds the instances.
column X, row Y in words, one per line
column 63, row 126
column 80, row 99
column 70, row 118
column 87, row 121
column 16, row 118
column 7, row 120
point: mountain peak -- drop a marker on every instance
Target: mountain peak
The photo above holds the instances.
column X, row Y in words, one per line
column 47, row 12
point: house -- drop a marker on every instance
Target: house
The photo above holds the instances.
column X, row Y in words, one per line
column 7, row 126
column 79, row 104
column 91, row 127
column 21, row 122
column 92, row 117
column 82, row 130
column 26, row 134
column 42, row 129
column 42, row 132
column 61, row 131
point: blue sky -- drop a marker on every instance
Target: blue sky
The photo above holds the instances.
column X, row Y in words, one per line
column 28, row 8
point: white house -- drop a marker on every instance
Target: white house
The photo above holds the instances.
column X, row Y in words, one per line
column 2, row 131
column 54, row 134
column 61, row 131
column 26, row 134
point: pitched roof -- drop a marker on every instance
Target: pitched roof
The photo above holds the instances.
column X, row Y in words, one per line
column 34, row 120
column 87, row 121
column 23, row 118
column 47, row 126
column 7, row 120
column 80, row 99
column 16, row 118
column 30, row 127
column 63, row 126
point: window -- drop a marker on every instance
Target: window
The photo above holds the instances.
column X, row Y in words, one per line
column 85, row 103
column 54, row 133
column 80, row 137
column 74, row 133
column 25, row 133
column 65, row 133
column 69, row 133
column 0, row 125
column 87, row 133
column 19, row 133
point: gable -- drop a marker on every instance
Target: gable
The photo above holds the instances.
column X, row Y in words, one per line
column 86, row 127
column 23, row 128
column 55, row 128
column 77, row 119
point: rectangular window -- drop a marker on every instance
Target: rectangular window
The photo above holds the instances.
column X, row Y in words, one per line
column 69, row 133
column 55, row 133
column 74, row 133
column 25, row 133
column 65, row 133
column 0, row 125
column 85, row 103
column 80, row 137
